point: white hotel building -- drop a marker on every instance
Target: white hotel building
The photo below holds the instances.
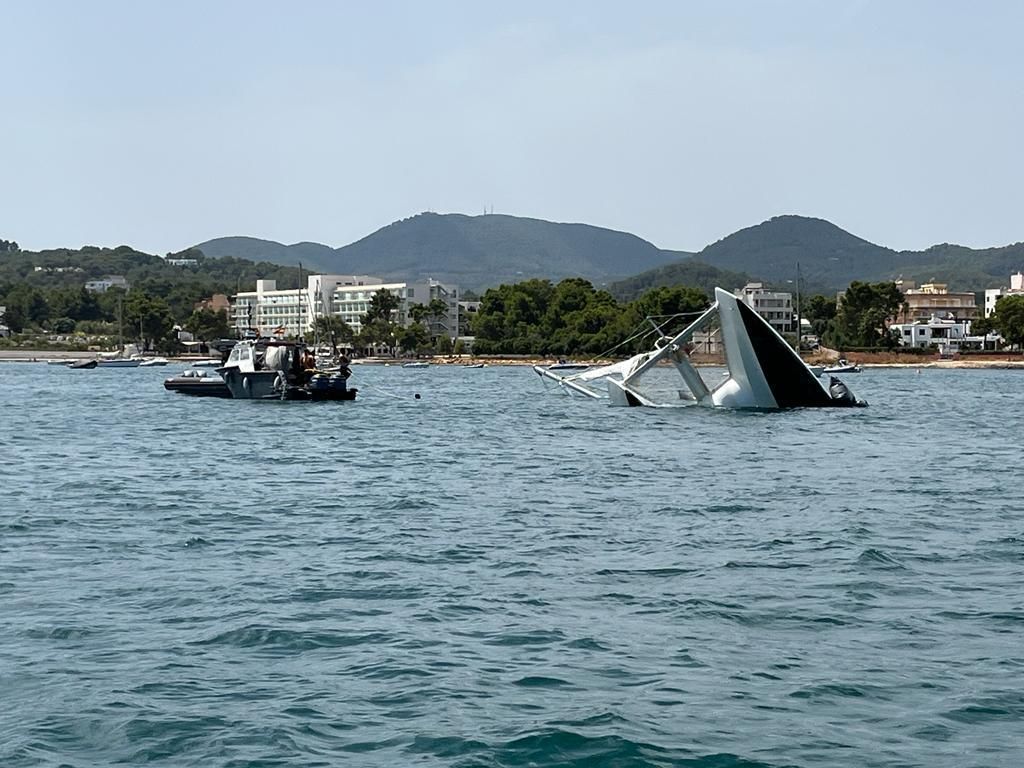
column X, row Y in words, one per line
column 268, row 309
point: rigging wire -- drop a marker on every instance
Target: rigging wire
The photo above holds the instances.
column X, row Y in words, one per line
column 643, row 330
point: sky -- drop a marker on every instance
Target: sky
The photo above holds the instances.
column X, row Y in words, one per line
column 163, row 124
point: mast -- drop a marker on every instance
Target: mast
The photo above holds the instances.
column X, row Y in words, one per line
column 120, row 326
column 800, row 314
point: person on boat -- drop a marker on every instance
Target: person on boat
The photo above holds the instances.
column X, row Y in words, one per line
column 343, row 367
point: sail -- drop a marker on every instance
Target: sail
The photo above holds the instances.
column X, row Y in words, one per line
column 622, row 368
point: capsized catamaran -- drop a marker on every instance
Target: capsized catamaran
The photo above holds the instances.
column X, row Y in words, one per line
column 763, row 370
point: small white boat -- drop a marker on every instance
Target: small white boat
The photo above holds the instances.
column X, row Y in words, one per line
column 211, row 363
column 118, row 362
column 842, row 367
column 151, row 362
column 418, row 364
column 563, row 365
column 475, row 365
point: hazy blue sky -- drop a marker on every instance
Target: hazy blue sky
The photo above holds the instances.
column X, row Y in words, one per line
column 162, row 124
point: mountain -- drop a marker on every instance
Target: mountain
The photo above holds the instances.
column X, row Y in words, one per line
column 471, row 251
column 827, row 254
column 314, row 256
column 481, row 251
column 830, row 258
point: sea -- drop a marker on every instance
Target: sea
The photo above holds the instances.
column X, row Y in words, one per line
column 495, row 574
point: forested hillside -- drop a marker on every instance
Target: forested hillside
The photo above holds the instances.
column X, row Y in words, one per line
column 471, row 251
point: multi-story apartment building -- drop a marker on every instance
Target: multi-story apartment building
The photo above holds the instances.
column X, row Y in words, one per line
column 935, row 300
column 992, row 295
column 774, row 306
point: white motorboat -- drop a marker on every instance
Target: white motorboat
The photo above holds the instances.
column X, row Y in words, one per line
column 418, row 364
column 565, row 365
column 842, row 366
column 118, row 362
column 764, row 372
column 152, row 362
column 267, row 369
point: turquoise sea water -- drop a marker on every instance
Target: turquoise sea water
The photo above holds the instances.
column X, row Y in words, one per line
column 496, row 575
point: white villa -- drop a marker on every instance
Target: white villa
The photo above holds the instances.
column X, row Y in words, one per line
column 949, row 334
column 105, row 283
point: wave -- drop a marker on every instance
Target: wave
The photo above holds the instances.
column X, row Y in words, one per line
column 287, row 640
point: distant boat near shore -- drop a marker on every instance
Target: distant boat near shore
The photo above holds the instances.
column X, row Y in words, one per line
column 842, row 366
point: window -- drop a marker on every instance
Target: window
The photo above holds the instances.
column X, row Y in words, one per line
column 410, row 293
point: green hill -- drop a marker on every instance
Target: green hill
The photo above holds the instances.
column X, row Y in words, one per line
column 472, row 251
column 689, row 272
column 312, row 256
column 181, row 286
column 830, row 258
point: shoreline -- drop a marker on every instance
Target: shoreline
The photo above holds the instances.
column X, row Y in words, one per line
column 992, row 363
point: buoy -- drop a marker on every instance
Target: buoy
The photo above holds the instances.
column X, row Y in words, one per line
column 417, row 395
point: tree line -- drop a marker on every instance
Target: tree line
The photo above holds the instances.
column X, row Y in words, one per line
column 572, row 317
column 137, row 315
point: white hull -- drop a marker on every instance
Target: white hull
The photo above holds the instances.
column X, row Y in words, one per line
column 763, row 370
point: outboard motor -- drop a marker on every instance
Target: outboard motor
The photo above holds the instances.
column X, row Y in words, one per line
column 841, row 394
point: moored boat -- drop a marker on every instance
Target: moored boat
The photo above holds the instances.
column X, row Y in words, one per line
column 264, row 369
column 118, row 362
column 842, row 366
column 565, row 365
column 199, row 383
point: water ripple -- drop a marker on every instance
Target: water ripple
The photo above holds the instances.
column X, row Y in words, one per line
column 491, row 577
